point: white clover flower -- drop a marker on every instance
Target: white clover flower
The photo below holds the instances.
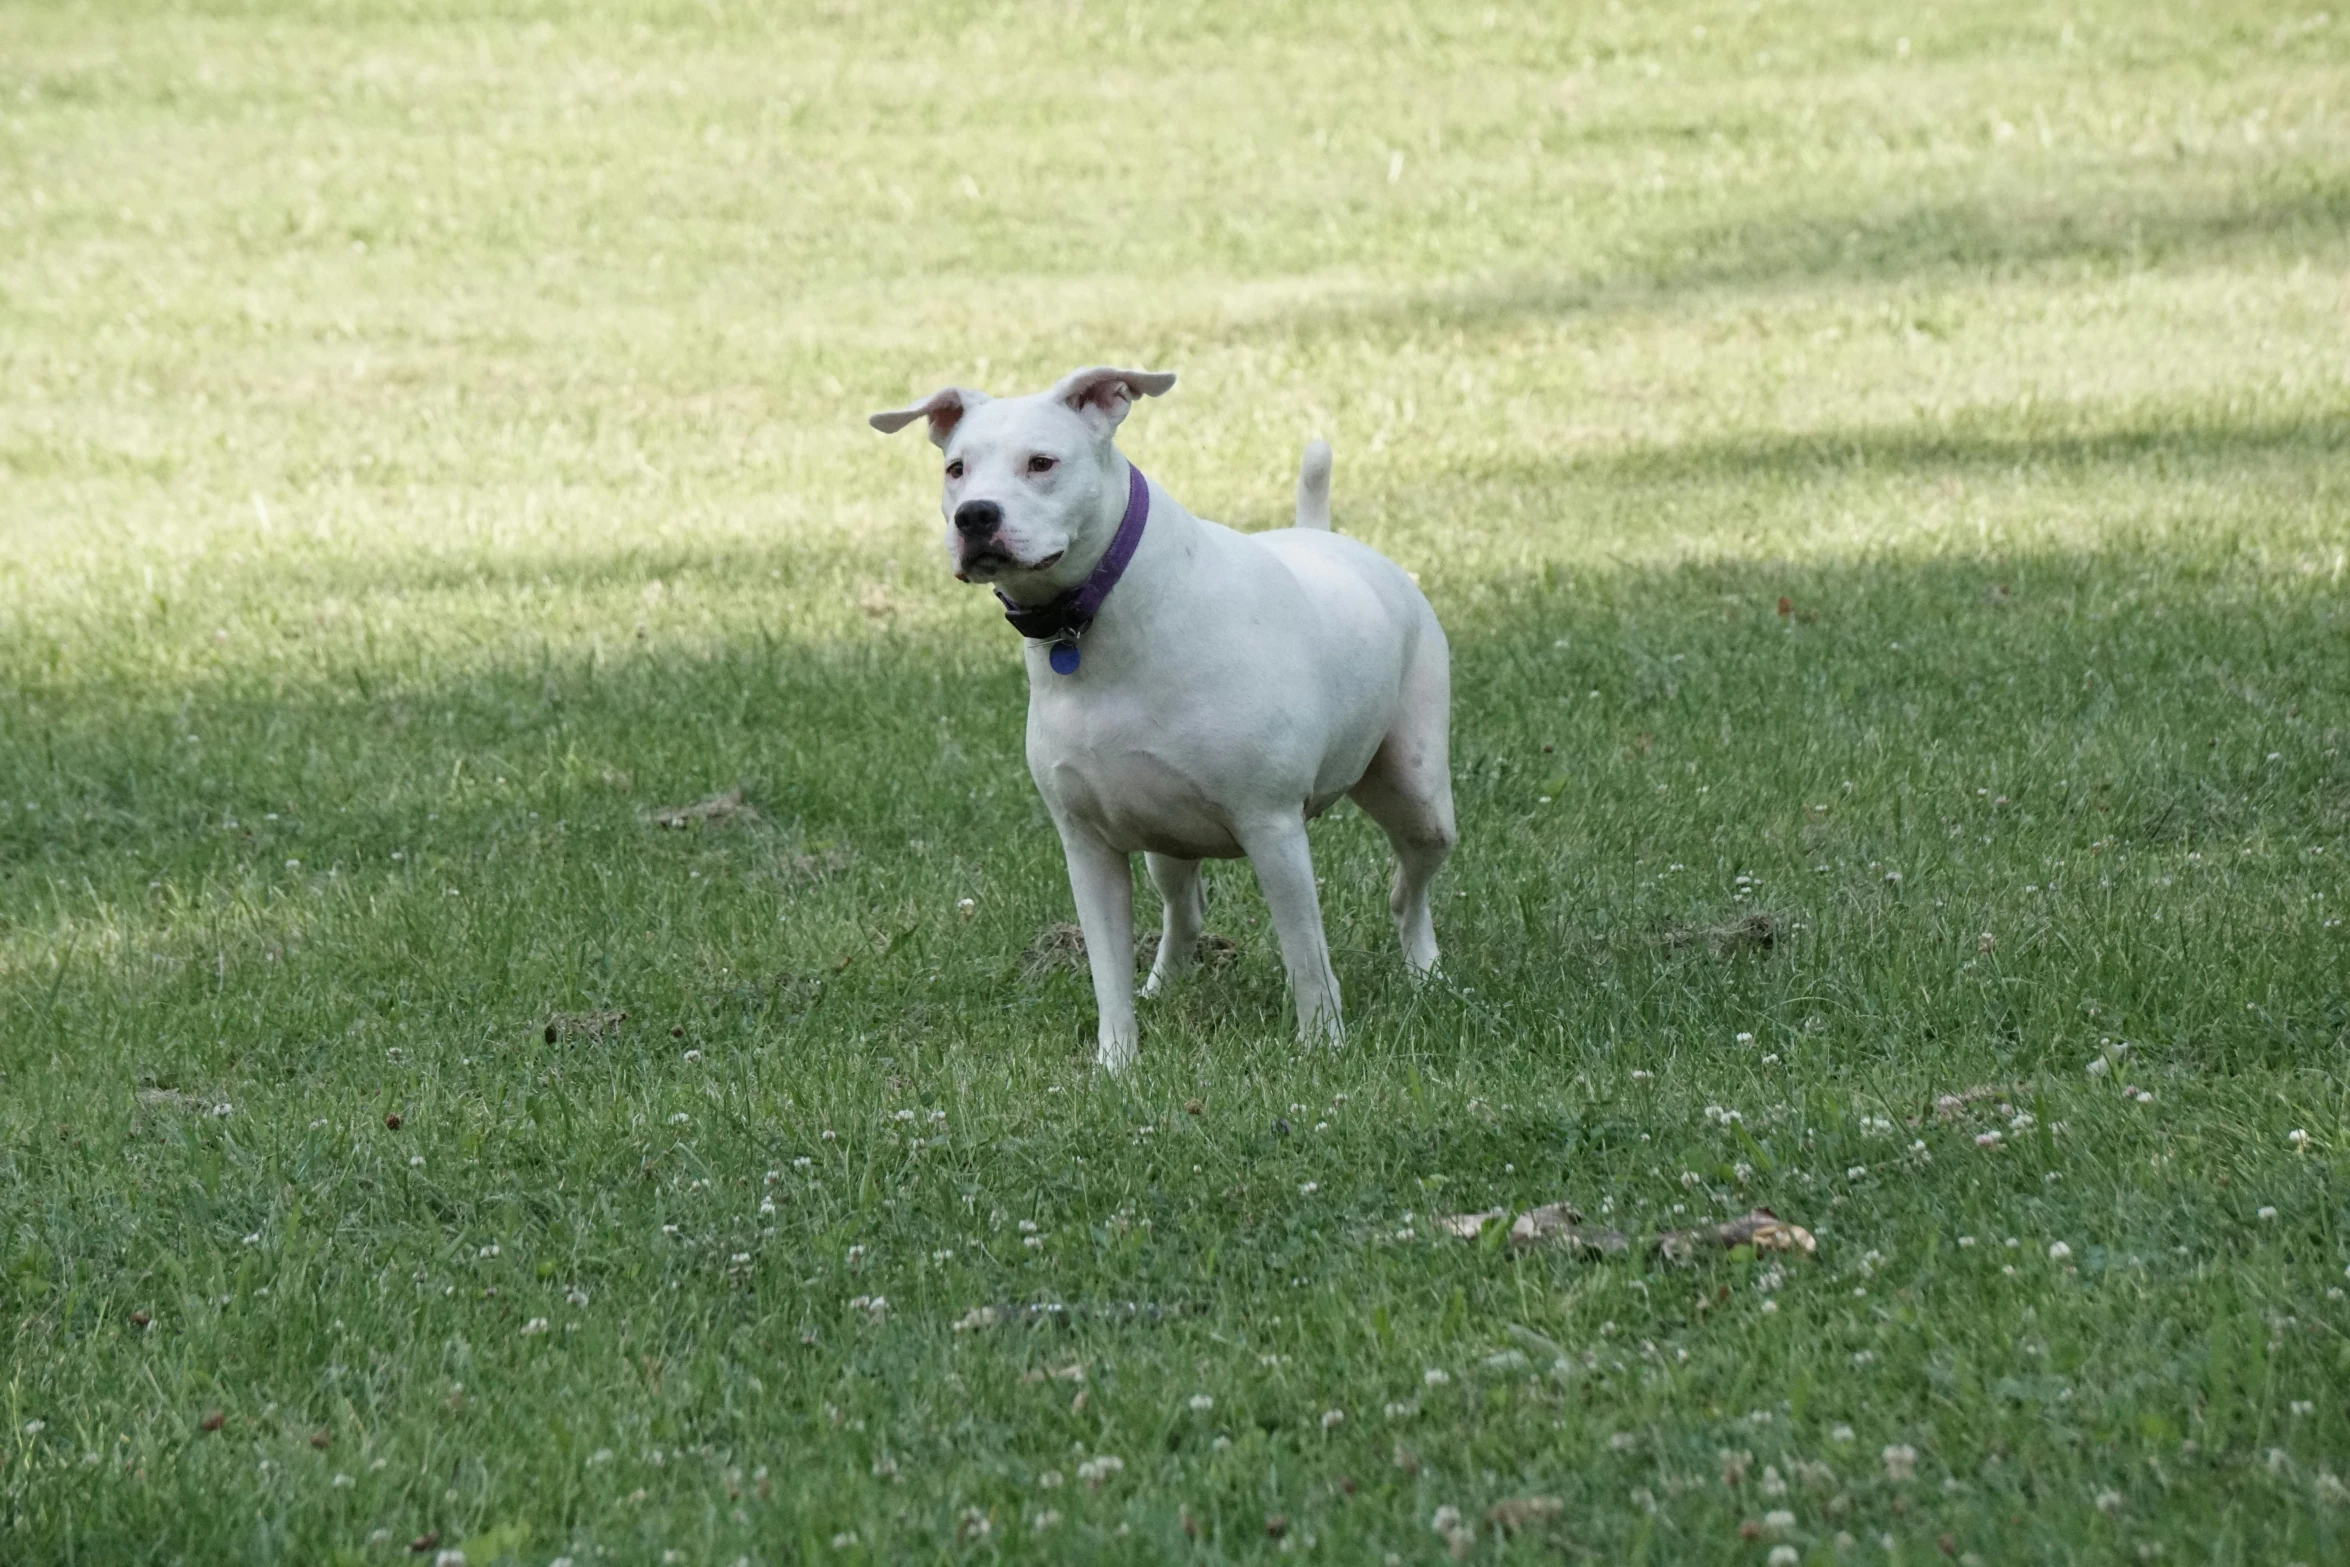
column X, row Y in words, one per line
column 1332, row 1419
column 2297, row 1138
column 2267, row 1213
column 534, row 1326
column 1447, row 1519
column 1901, row 1461
column 2058, row 1251
column 1784, row 1556
column 1201, row 1403
column 1436, row 1376
column 2109, row 1502
column 1841, row 1434
column 1309, row 1188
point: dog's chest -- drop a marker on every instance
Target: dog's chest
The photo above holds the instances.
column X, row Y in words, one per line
column 1133, row 779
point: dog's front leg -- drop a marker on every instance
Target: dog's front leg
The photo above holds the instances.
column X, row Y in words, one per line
column 1103, row 880
column 1285, row 872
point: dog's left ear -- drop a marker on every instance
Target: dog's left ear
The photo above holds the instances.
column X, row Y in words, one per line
column 1102, row 395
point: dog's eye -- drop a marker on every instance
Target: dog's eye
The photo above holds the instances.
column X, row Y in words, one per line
column 955, row 469
column 1042, row 464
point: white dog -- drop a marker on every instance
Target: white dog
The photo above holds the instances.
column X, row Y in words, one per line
column 1227, row 692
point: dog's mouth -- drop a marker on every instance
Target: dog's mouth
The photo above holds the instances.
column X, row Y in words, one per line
column 986, row 562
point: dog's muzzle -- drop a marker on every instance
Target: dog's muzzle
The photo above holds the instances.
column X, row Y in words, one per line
column 977, row 520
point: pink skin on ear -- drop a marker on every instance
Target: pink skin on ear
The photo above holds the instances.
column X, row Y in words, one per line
column 1101, row 395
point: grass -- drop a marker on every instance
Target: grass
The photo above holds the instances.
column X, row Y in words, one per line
column 1889, row 475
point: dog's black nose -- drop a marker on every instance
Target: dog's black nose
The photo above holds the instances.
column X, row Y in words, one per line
column 978, row 519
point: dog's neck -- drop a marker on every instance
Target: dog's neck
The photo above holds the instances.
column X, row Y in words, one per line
column 1029, row 589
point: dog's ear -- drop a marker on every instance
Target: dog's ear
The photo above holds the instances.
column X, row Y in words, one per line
column 944, row 409
column 1102, row 395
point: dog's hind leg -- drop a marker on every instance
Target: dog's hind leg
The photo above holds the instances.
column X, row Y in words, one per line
column 1102, row 879
column 1407, row 790
column 1179, row 887
column 1284, row 863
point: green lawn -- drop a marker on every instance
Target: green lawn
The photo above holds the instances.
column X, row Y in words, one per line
column 1891, row 477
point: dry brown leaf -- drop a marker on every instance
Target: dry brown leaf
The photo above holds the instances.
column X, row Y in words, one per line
column 1469, row 1225
column 1536, row 1223
column 1524, row 1512
column 1761, row 1229
column 593, row 1025
column 716, row 811
column 1561, row 1224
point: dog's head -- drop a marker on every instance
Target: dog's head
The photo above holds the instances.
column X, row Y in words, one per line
column 1034, row 487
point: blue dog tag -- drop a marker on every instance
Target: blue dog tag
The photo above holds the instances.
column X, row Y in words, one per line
column 1063, row 658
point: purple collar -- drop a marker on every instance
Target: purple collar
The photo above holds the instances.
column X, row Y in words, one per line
column 1063, row 620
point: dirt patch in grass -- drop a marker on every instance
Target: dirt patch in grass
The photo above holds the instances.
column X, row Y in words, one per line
column 1062, row 947
column 583, row 1025
column 1756, row 932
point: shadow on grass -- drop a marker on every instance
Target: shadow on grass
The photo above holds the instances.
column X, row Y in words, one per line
column 2140, row 222
column 476, row 848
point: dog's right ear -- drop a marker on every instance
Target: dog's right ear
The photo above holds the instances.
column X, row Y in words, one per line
column 944, row 409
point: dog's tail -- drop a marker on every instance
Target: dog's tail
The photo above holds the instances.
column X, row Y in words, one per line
column 1313, row 486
